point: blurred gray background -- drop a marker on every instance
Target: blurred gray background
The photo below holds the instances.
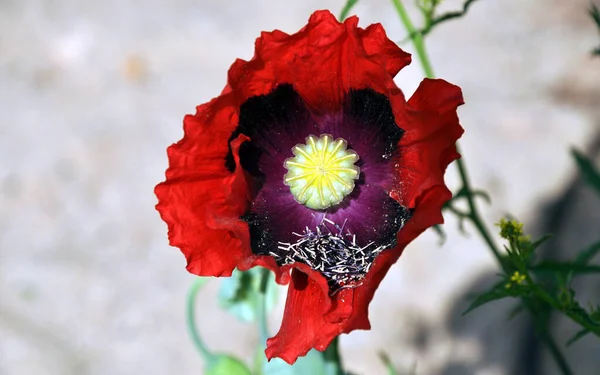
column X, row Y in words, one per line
column 92, row 93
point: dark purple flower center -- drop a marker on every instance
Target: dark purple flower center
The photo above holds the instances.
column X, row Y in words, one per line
column 343, row 240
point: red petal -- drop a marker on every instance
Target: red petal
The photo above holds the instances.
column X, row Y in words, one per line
column 311, row 319
column 381, row 49
column 431, row 129
column 201, row 201
column 428, row 213
column 322, row 61
column 426, row 149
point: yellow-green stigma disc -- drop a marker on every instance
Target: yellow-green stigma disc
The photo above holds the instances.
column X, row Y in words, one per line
column 322, row 171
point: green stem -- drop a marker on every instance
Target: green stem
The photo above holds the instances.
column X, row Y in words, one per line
column 332, row 358
column 474, row 216
column 191, row 320
column 541, row 329
column 474, row 212
column 557, row 354
column 544, row 296
column 416, row 38
column 346, row 9
column 419, row 44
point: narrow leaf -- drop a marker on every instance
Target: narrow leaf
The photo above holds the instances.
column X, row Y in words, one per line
column 498, row 291
column 578, row 336
column 565, row 267
column 575, row 310
column 586, row 255
column 540, row 241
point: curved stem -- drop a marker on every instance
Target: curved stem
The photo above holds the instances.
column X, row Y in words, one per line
column 416, row 38
column 557, row 354
column 191, row 320
column 541, row 329
column 474, row 212
column 474, row 216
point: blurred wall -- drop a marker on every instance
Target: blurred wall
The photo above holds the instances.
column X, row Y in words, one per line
column 91, row 94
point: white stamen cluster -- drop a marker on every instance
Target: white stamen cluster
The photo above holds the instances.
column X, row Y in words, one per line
column 336, row 255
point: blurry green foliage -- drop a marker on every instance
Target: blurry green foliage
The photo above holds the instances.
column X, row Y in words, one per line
column 542, row 286
column 226, row 365
column 312, row 363
column 240, row 293
column 347, row 8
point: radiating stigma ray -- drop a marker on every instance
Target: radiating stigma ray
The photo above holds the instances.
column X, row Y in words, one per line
column 321, row 172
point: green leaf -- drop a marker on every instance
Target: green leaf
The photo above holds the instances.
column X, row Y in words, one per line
column 564, row 272
column 226, row 365
column 588, row 170
column 527, row 248
column 498, row 291
column 595, row 314
column 239, row 293
column 574, row 309
column 346, row 9
column 312, row 363
column 586, row 255
column 540, row 241
column 514, row 257
column 565, row 267
column 566, row 297
column 578, row 336
column 576, row 312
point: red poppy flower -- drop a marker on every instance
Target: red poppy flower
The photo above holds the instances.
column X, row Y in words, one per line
column 312, row 163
